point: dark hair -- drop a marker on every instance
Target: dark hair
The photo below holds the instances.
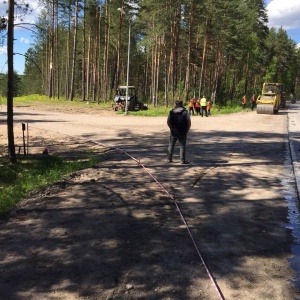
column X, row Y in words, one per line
column 178, row 103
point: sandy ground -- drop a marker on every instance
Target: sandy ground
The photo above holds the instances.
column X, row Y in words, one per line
column 113, row 232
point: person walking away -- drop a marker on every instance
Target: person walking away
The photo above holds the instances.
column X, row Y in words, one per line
column 203, row 106
column 198, row 107
column 292, row 98
column 208, row 107
column 191, row 106
column 253, row 102
column 179, row 122
column 244, row 102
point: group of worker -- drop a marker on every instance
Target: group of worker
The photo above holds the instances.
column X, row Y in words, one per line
column 252, row 101
column 179, row 122
column 200, row 106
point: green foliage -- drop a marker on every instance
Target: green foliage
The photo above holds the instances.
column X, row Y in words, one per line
column 271, row 71
column 166, row 36
column 33, row 80
column 17, row 85
column 32, row 173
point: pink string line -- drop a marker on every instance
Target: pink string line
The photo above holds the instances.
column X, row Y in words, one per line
column 219, row 292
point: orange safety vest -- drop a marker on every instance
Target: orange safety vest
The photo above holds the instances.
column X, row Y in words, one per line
column 208, row 104
column 198, row 103
column 192, row 101
column 244, row 100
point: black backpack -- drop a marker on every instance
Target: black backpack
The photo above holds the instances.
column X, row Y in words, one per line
column 178, row 120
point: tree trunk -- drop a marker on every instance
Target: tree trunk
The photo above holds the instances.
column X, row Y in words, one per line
column 166, row 72
column 188, row 66
column 88, row 67
column 10, row 84
column 84, row 91
column 105, row 52
column 153, row 73
column 57, row 56
column 51, row 53
column 67, row 87
column 157, row 68
column 74, row 51
column 203, row 61
column 117, row 74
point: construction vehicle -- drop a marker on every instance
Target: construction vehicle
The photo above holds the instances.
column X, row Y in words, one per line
column 271, row 98
column 132, row 99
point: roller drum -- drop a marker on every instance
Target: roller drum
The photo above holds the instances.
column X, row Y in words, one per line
column 265, row 109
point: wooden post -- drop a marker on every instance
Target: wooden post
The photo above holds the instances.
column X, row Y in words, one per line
column 23, row 129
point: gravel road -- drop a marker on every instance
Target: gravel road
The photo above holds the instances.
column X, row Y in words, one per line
column 112, row 232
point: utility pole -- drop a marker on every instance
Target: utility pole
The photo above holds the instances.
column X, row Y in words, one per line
column 10, row 82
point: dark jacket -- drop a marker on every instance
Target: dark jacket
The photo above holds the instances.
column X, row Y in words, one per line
column 179, row 121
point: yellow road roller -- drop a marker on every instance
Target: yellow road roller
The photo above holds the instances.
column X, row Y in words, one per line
column 270, row 99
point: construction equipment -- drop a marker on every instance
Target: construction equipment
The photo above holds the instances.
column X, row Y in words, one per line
column 132, row 99
column 270, row 99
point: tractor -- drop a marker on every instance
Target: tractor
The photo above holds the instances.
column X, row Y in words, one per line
column 271, row 98
column 132, row 99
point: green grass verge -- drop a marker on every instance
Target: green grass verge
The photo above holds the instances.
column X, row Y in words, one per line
column 42, row 99
column 32, row 173
column 163, row 111
column 151, row 112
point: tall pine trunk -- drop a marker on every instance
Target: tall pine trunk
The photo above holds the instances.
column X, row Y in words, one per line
column 84, row 91
column 74, row 52
column 67, row 70
column 51, row 57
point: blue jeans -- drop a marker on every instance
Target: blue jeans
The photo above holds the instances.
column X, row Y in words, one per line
column 182, row 142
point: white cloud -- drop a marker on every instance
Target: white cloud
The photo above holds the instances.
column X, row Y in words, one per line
column 3, row 50
column 35, row 7
column 24, row 40
column 284, row 13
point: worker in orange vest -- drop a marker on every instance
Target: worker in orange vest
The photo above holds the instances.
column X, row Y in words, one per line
column 208, row 107
column 244, row 101
column 197, row 107
column 253, row 102
column 192, row 106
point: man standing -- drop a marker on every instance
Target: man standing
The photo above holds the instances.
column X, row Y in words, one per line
column 244, row 102
column 179, row 122
column 208, row 107
column 192, row 106
column 203, row 106
column 198, row 107
column 253, row 102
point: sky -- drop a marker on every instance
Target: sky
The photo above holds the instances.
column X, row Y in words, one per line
column 281, row 13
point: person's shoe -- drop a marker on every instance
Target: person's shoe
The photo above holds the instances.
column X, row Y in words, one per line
column 185, row 162
column 169, row 160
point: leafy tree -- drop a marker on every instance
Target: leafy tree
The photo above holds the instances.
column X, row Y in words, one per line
column 17, row 87
column 33, row 82
column 178, row 48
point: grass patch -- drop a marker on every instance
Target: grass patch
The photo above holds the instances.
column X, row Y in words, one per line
column 31, row 100
column 35, row 172
column 163, row 111
column 152, row 111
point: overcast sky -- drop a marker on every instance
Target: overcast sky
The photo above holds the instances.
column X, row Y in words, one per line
column 281, row 13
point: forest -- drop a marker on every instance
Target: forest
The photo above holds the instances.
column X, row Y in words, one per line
column 174, row 49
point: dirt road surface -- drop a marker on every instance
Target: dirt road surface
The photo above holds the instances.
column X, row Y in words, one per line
column 113, row 232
